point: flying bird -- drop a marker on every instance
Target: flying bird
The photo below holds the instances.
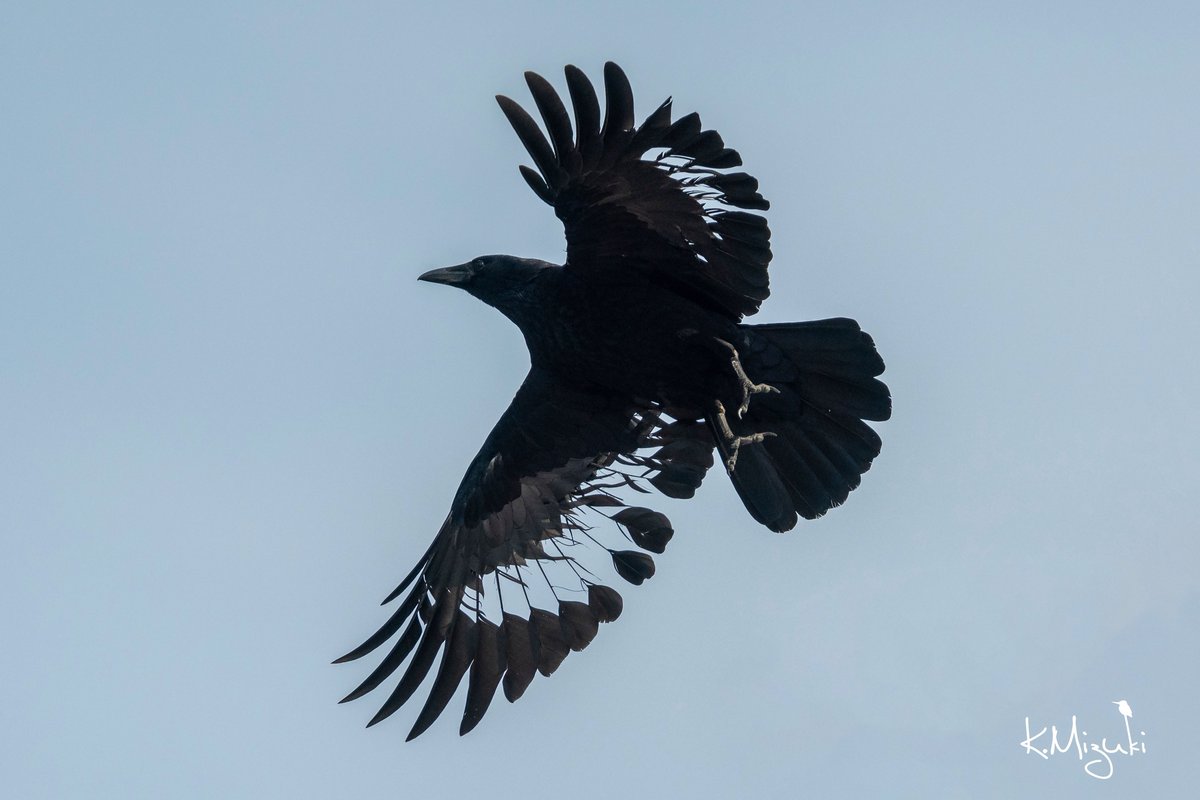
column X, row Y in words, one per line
column 640, row 367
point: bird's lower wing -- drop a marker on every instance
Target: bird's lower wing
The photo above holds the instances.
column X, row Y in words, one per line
column 512, row 541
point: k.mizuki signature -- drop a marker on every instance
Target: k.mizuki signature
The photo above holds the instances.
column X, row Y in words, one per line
column 1100, row 764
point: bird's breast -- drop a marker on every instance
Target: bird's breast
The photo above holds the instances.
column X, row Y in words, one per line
column 630, row 337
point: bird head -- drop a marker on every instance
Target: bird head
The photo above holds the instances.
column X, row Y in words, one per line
column 503, row 282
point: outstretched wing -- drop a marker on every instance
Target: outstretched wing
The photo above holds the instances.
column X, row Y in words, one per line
column 555, row 453
column 679, row 218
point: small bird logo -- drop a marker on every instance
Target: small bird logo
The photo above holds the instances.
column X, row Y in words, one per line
column 1127, row 713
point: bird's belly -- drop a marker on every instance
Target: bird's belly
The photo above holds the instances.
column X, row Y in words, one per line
column 662, row 357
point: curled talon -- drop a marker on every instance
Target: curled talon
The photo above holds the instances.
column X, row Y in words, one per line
column 732, row 440
column 747, row 386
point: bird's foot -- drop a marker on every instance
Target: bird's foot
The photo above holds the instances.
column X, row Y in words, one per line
column 749, row 388
column 733, row 442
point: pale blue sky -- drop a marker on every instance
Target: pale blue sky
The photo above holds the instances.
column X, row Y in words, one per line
column 231, row 419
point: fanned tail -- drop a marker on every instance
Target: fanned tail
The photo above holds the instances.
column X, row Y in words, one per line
column 806, row 445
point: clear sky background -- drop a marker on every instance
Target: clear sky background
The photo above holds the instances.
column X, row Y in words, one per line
column 230, row 418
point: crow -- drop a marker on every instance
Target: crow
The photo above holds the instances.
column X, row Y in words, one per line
column 640, row 367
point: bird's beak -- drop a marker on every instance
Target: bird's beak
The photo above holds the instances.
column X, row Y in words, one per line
column 451, row 276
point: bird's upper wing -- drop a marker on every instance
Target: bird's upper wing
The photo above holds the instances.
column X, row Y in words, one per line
column 680, row 218
column 518, row 513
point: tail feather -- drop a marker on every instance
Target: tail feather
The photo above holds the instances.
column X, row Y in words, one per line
column 836, row 365
column 820, row 446
column 759, row 484
column 804, row 486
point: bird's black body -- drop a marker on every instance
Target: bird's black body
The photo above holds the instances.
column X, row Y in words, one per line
column 567, row 318
column 640, row 365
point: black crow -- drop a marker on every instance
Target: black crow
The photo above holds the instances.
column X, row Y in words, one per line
column 640, row 366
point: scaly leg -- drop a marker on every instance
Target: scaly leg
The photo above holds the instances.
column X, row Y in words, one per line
column 733, row 442
column 747, row 386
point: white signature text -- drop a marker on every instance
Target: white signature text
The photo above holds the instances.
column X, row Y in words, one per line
column 1100, row 764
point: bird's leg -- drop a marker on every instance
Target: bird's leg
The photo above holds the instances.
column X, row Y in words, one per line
column 733, row 442
column 748, row 387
